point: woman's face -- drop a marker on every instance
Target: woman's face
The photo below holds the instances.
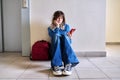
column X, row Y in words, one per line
column 59, row 20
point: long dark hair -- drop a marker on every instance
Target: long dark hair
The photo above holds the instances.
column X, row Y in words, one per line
column 56, row 15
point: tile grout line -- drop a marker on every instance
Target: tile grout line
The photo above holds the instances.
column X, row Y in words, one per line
column 49, row 73
column 114, row 64
column 23, row 71
column 77, row 73
column 99, row 69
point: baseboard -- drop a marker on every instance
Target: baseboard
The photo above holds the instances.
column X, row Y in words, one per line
column 112, row 43
column 91, row 54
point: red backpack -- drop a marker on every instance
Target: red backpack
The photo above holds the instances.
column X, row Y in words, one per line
column 40, row 50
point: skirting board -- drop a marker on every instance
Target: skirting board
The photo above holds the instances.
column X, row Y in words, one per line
column 112, row 43
column 91, row 54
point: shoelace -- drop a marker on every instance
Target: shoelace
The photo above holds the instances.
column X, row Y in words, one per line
column 56, row 68
column 68, row 67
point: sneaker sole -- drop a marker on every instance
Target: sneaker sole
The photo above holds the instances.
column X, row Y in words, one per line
column 57, row 74
column 67, row 73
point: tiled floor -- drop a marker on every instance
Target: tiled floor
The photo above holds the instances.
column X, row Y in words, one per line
column 15, row 67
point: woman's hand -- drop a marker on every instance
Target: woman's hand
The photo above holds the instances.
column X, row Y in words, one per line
column 69, row 35
column 57, row 23
column 71, row 32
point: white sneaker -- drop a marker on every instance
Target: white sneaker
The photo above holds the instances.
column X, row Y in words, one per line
column 67, row 70
column 57, row 71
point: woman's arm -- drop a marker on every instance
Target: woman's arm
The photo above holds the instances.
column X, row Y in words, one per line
column 66, row 31
column 53, row 31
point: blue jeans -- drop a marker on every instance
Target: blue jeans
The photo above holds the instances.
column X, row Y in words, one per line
column 61, row 51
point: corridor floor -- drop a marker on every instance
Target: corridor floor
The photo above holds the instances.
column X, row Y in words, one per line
column 15, row 67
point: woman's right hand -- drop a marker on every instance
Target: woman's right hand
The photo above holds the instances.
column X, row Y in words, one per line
column 57, row 23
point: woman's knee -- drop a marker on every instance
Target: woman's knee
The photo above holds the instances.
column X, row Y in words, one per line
column 66, row 38
column 55, row 38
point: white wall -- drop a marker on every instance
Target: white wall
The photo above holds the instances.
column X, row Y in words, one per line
column 113, row 21
column 87, row 16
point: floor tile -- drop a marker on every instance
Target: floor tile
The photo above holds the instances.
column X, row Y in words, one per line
column 15, row 67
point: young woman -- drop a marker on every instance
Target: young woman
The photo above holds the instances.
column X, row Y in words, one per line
column 61, row 50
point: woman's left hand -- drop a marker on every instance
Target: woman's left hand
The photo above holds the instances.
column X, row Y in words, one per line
column 69, row 35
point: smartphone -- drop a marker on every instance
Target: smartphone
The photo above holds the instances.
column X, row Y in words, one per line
column 72, row 30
